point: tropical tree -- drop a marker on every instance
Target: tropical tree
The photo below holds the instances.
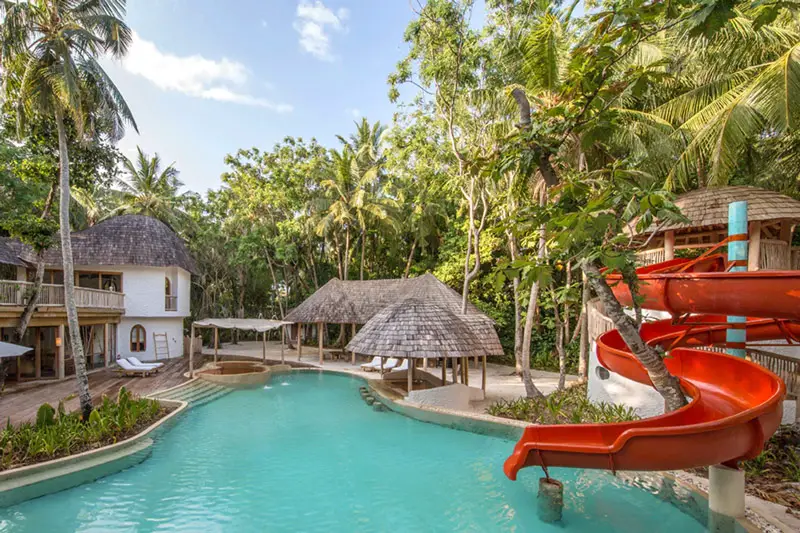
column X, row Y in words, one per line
column 148, row 189
column 49, row 56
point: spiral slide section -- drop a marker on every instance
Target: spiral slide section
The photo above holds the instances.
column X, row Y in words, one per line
column 735, row 406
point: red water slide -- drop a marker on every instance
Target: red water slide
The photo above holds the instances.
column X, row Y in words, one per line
column 735, row 405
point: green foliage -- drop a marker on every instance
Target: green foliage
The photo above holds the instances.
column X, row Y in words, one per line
column 570, row 406
column 57, row 433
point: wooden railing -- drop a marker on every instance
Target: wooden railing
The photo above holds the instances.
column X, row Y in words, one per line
column 170, row 303
column 650, row 257
column 787, row 368
column 775, row 255
column 17, row 293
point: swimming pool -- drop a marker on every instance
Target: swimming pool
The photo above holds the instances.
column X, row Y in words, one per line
column 307, row 454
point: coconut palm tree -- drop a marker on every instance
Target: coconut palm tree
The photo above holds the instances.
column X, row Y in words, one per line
column 151, row 190
column 49, row 57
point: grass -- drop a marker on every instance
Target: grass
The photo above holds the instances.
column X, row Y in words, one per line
column 56, row 433
column 570, row 406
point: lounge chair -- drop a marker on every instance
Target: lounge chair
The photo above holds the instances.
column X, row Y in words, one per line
column 403, row 366
column 136, row 362
column 390, row 364
column 375, row 364
column 128, row 369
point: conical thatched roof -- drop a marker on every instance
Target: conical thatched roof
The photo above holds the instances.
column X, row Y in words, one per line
column 708, row 208
column 9, row 253
column 416, row 328
column 123, row 240
column 359, row 302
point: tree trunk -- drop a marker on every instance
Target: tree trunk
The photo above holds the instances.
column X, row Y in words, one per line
column 84, row 395
column 664, row 382
column 313, row 266
column 36, row 292
column 530, row 388
column 338, row 255
column 583, row 325
column 411, row 256
column 518, row 326
column 560, row 335
column 274, row 283
column 363, row 250
column 566, row 301
column 240, row 312
column 347, row 253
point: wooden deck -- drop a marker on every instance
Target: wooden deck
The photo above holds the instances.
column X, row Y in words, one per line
column 21, row 405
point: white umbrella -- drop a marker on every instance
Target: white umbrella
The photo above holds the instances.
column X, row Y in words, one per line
column 12, row 350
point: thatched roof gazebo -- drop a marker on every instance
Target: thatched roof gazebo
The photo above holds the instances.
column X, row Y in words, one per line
column 415, row 328
column 358, row 302
column 771, row 217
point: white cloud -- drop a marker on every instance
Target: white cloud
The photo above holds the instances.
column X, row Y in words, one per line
column 194, row 75
column 314, row 23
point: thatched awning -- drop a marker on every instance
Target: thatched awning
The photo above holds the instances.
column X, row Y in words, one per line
column 708, row 208
column 8, row 253
column 417, row 329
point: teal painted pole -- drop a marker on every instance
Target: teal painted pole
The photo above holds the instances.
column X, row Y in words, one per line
column 736, row 335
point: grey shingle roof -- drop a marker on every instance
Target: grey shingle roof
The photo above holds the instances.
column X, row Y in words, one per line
column 709, row 207
column 9, row 252
column 359, row 302
column 123, row 240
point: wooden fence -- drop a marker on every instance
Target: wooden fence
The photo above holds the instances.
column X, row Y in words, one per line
column 16, row 293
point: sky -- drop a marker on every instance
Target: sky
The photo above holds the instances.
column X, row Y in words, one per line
column 205, row 78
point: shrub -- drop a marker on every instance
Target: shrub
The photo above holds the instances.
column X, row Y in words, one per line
column 570, row 406
column 57, row 433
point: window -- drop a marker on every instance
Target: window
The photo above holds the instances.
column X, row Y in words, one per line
column 138, row 338
column 167, row 287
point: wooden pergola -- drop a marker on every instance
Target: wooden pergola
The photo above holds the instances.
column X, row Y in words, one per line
column 772, row 218
column 243, row 324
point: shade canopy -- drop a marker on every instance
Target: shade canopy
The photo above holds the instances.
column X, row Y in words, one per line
column 13, row 350
column 243, row 324
column 417, row 329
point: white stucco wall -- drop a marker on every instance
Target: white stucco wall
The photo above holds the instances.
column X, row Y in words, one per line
column 173, row 327
column 144, row 289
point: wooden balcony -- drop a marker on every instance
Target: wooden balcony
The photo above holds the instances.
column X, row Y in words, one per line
column 16, row 293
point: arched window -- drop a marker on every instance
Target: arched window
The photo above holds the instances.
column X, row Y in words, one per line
column 167, row 287
column 138, row 338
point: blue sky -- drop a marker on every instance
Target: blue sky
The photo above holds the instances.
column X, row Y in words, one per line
column 207, row 77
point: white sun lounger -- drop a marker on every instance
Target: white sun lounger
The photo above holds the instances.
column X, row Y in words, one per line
column 128, row 368
column 390, row 364
column 375, row 364
column 135, row 362
column 403, row 366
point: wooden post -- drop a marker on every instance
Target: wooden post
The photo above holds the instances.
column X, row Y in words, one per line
column 61, row 349
column 483, row 382
column 382, row 365
column 263, row 346
column 444, row 371
column 191, row 353
column 669, row 245
column 106, row 343
column 216, row 343
column 786, row 232
column 299, row 341
column 754, row 246
column 425, row 363
column 466, row 369
column 410, row 374
column 353, row 354
column 37, row 353
column 283, row 332
column 319, row 336
column 454, row 362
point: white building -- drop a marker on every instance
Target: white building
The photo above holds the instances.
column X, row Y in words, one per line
column 133, row 289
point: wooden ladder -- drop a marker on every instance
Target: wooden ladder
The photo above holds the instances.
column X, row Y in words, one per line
column 161, row 344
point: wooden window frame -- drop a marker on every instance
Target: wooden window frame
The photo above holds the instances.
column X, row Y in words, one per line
column 138, row 346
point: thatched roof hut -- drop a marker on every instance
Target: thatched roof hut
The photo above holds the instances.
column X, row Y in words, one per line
column 8, row 253
column 358, row 302
column 417, row 329
column 771, row 217
column 123, row 240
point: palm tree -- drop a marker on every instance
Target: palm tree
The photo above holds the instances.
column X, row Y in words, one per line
column 49, row 58
column 150, row 190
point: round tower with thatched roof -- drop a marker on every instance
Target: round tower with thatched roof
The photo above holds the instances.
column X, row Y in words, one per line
column 772, row 217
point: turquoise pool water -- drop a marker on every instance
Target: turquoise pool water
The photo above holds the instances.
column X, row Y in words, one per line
column 308, row 454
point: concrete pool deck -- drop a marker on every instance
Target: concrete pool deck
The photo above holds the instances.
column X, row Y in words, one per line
column 501, row 382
